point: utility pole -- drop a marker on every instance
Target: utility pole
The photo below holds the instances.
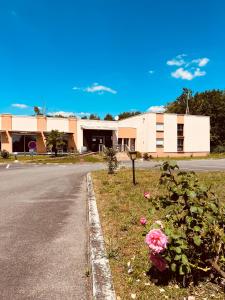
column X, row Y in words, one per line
column 187, row 104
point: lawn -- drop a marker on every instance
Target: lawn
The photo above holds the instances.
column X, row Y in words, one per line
column 92, row 158
column 120, row 207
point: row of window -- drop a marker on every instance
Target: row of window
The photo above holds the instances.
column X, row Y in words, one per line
column 180, row 144
column 180, row 128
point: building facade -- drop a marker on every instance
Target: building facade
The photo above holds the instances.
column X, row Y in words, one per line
column 154, row 133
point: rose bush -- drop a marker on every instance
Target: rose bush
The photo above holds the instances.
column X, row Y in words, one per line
column 189, row 241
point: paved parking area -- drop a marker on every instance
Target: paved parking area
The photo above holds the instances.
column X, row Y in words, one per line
column 43, row 233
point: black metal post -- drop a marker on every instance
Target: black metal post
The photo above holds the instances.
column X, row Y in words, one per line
column 133, row 167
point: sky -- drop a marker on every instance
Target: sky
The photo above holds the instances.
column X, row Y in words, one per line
column 107, row 56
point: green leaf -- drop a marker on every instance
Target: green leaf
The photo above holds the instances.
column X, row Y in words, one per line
column 181, row 272
column 177, row 257
column 193, row 209
column 196, row 228
column 178, row 250
column 197, row 240
column 184, row 259
column 173, row 267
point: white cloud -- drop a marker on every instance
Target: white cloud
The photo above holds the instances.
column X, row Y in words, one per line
column 177, row 61
column 156, row 109
column 96, row 88
column 151, row 72
column 201, row 62
column 62, row 113
column 190, row 68
column 100, row 89
column 186, row 74
column 19, row 105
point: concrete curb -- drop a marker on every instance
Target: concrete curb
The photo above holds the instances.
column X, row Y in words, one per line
column 102, row 285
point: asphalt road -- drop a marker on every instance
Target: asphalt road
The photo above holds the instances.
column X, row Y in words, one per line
column 43, row 232
column 43, row 228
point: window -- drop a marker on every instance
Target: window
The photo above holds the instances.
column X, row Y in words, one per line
column 180, row 129
column 159, row 127
column 20, row 142
column 159, row 143
column 180, row 145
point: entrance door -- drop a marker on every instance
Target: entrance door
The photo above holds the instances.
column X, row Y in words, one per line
column 96, row 141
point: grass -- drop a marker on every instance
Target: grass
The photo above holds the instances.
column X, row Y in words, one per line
column 120, row 206
column 210, row 156
column 92, row 158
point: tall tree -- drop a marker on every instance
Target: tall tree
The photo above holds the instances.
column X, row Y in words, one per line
column 94, row 117
column 128, row 114
column 55, row 141
column 209, row 103
column 108, row 117
column 37, row 110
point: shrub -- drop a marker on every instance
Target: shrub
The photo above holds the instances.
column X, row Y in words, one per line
column 110, row 155
column 139, row 155
column 193, row 224
column 146, row 156
column 5, row 154
column 219, row 149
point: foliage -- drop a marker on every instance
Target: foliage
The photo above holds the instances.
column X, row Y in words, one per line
column 37, row 110
column 128, row 114
column 209, row 103
column 194, row 224
column 94, row 117
column 146, row 156
column 219, row 149
column 55, row 141
column 108, row 117
column 110, row 155
column 84, row 118
column 139, row 155
column 5, row 154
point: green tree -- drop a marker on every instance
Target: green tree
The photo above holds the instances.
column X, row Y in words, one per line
column 127, row 114
column 108, row 117
column 110, row 155
column 84, row 118
column 209, row 103
column 94, row 117
column 37, row 110
column 55, row 141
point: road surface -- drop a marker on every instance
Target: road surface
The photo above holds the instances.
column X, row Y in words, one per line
column 43, row 232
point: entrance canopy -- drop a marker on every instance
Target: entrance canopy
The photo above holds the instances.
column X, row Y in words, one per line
column 99, row 127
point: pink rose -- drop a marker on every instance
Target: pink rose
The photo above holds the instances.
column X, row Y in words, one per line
column 147, row 195
column 143, row 221
column 156, row 240
column 158, row 261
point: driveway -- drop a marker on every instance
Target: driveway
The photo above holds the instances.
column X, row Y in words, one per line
column 43, row 232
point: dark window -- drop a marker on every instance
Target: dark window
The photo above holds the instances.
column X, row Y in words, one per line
column 180, row 129
column 180, row 145
column 20, row 143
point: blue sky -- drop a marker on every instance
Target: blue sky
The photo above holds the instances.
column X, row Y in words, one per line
column 107, row 56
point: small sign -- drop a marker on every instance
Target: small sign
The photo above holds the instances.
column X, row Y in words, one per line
column 32, row 145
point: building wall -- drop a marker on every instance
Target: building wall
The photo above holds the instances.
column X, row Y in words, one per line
column 145, row 125
column 60, row 124
column 170, row 133
column 141, row 127
column 196, row 134
column 24, row 123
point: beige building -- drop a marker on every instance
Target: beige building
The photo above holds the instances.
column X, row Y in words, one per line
column 155, row 133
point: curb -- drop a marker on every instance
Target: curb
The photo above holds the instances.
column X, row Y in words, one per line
column 102, row 286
